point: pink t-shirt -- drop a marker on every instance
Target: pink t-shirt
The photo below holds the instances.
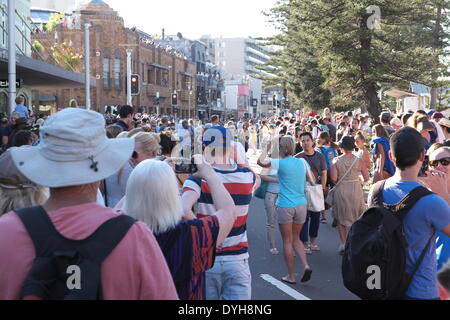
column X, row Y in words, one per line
column 135, row 270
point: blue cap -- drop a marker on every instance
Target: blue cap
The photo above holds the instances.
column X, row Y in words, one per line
column 216, row 136
column 431, row 112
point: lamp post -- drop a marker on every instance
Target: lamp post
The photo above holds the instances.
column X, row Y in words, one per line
column 87, row 66
column 129, row 98
column 189, row 98
column 11, row 55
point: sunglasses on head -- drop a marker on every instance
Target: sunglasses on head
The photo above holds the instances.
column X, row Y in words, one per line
column 445, row 162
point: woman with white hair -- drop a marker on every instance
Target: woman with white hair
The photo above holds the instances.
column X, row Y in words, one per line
column 189, row 246
column 147, row 147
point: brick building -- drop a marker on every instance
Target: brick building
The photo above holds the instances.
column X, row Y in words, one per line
column 161, row 71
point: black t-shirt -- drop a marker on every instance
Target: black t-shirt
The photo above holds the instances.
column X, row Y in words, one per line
column 298, row 148
column 317, row 163
column 332, row 131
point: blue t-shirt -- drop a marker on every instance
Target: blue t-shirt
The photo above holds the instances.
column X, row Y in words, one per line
column 329, row 154
column 442, row 250
column 292, row 180
column 431, row 214
column 388, row 164
column 22, row 110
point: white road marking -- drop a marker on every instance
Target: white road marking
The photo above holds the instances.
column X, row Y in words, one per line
column 285, row 288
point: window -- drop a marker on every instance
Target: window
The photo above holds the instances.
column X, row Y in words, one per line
column 151, row 75
column 117, row 74
column 106, row 74
column 3, row 31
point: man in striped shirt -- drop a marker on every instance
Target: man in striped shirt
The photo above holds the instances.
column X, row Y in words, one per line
column 230, row 278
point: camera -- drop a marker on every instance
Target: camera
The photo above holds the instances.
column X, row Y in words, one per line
column 185, row 166
column 424, row 168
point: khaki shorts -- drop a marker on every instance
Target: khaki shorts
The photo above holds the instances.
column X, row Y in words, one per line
column 295, row 215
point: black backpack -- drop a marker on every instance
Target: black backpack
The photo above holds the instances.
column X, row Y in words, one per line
column 376, row 246
column 67, row 269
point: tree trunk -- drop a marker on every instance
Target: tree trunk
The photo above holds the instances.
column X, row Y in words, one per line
column 369, row 87
column 373, row 102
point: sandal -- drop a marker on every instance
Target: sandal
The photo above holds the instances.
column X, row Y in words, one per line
column 285, row 279
column 306, row 275
column 274, row 251
column 315, row 248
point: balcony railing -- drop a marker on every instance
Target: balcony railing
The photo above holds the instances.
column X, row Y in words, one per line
column 164, row 92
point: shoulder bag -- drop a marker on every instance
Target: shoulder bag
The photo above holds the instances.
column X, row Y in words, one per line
column 330, row 196
column 314, row 194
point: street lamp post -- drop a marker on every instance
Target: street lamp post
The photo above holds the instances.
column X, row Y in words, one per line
column 129, row 97
column 11, row 55
column 87, row 66
column 189, row 98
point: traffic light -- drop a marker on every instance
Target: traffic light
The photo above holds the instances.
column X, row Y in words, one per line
column 135, row 84
column 174, row 99
column 274, row 100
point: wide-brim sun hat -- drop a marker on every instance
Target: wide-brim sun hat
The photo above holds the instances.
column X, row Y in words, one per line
column 74, row 150
column 444, row 122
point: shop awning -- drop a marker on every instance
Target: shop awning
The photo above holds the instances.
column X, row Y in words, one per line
column 39, row 74
column 156, row 65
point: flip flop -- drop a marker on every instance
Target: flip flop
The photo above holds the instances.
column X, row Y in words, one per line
column 306, row 275
column 285, row 279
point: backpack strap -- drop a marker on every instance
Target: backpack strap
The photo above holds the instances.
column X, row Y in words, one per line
column 409, row 201
column 103, row 241
column 39, row 226
column 419, row 262
column 377, row 194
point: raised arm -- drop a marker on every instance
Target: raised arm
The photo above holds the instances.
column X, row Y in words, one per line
column 262, row 161
column 226, row 210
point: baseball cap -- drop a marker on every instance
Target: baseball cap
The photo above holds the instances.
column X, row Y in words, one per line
column 431, row 112
column 424, row 124
column 385, row 116
column 217, row 136
column 407, row 142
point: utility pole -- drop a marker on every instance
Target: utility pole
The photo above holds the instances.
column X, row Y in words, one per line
column 158, row 103
column 11, row 56
column 87, row 65
column 129, row 97
column 189, row 98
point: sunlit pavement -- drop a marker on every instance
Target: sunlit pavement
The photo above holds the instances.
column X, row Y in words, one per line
column 326, row 281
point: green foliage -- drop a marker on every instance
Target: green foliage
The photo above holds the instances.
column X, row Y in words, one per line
column 331, row 54
column 55, row 19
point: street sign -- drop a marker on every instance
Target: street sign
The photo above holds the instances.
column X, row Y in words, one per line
column 4, row 84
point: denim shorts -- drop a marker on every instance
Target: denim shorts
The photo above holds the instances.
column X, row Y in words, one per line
column 229, row 280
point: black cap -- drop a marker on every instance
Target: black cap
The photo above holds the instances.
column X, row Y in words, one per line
column 347, row 143
column 385, row 116
column 407, row 142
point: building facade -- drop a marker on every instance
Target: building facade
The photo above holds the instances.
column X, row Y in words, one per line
column 209, row 80
column 238, row 58
column 161, row 71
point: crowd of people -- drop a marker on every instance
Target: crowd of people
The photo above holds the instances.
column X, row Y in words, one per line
column 78, row 172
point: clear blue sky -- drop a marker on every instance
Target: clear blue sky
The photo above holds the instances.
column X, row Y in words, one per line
column 227, row 18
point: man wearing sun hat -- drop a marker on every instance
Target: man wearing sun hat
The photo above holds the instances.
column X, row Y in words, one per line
column 73, row 157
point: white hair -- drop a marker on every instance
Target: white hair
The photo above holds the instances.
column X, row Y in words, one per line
column 152, row 196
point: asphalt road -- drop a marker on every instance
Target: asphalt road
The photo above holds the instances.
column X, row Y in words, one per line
column 267, row 269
